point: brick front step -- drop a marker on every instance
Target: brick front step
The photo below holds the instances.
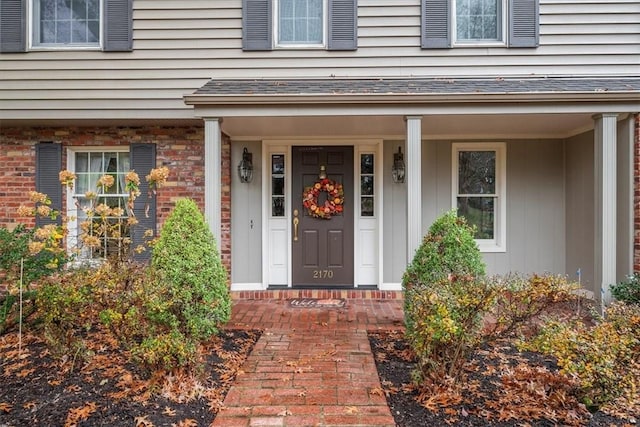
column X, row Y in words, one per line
column 282, row 294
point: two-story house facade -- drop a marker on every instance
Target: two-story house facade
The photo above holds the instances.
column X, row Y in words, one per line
column 520, row 114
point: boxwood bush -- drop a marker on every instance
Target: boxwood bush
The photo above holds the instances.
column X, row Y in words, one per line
column 187, row 258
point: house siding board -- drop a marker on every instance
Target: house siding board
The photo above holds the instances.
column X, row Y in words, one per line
column 174, row 40
column 246, row 210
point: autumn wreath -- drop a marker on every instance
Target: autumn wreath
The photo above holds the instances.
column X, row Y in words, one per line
column 331, row 206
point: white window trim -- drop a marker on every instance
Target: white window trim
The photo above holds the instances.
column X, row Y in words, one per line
column 501, row 42
column 499, row 242
column 72, row 212
column 31, row 13
column 276, row 30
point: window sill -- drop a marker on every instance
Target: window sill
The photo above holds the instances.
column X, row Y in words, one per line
column 479, row 44
column 61, row 48
column 491, row 247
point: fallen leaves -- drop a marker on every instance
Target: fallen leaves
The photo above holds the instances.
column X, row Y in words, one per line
column 75, row 415
column 123, row 390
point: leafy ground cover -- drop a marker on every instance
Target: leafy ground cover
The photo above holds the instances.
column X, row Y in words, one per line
column 501, row 387
column 37, row 389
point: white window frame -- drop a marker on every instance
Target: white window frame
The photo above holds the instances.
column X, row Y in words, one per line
column 33, row 14
column 72, row 210
column 502, row 31
column 499, row 242
column 276, row 30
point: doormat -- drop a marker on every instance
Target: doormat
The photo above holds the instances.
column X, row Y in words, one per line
column 317, row 302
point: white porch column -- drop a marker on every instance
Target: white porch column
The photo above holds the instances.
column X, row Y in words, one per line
column 605, row 141
column 414, row 184
column 212, row 175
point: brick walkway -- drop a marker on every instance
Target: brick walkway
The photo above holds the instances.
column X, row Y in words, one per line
column 311, row 366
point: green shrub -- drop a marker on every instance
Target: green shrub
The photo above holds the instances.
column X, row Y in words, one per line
column 445, row 295
column 605, row 358
column 14, row 247
column 520, row 299
column 628, row 290
column 451, row 307
column 65, row 305
column 193, row 300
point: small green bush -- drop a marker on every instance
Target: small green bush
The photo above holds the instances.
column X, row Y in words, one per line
column 628, row 290
column 445, row 295
column 605, row 358
column 196, row 300
column 65, row 305
column 14, row 247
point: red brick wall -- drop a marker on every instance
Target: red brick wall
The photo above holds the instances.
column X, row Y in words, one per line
column 179, row 148
column 636, row 192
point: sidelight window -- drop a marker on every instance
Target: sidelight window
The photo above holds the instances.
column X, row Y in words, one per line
column 277, row 185
column 367, row 187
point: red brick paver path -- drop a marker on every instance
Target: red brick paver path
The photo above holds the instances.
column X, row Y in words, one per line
column 311, row 366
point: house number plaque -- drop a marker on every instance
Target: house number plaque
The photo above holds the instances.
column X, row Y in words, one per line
column 322, row 274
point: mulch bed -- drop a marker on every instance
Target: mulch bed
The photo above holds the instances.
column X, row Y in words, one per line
column 37, row 389
column 501, row 387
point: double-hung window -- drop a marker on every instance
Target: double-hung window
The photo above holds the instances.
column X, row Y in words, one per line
column 295, row 24
column 301, row 22
column 465, row 23
column 479, row 191
column 66, row 24
column 479, row 21
column 90, row 199
column 69, row 23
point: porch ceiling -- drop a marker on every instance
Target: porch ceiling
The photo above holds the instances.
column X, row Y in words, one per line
column 390, row 127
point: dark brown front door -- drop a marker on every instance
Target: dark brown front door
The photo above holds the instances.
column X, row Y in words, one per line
column 322, row 248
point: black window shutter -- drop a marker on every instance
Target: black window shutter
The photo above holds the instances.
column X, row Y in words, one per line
column 436, row 19
column 257, row 25
column 13, row 28
column 142, row 160
column 48, row 166
column 118, row 25
column 343, row 25
column 524, row 23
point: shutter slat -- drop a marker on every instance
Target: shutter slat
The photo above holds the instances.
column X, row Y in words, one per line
column 435, row 18
column 343, row 25
column 524, row 23
column 118, row 25
column 48, row 166
column 13, row 30
column 257, row 25
column 142, row 160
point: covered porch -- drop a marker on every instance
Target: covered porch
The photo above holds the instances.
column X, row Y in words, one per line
column 566, row 180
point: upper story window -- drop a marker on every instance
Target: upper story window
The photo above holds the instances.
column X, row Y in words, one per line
column 294, row 24
column 66, row 23
column 301, row 22
column 479, row 191
column 463, row 23
column 479, row 21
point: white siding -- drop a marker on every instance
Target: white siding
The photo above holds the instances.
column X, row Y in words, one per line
column 180, row 44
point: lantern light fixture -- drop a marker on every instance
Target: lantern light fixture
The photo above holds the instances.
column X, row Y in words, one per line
column 245, row 167
column 398, row 169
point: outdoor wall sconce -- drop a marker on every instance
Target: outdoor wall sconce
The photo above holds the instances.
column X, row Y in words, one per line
column 245, row 167
column 398, row 169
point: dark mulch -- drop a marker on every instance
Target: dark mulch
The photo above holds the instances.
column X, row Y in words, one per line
column 502, row 387
column 103, row 389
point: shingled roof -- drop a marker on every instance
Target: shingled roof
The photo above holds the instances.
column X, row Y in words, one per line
column 417, row 86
